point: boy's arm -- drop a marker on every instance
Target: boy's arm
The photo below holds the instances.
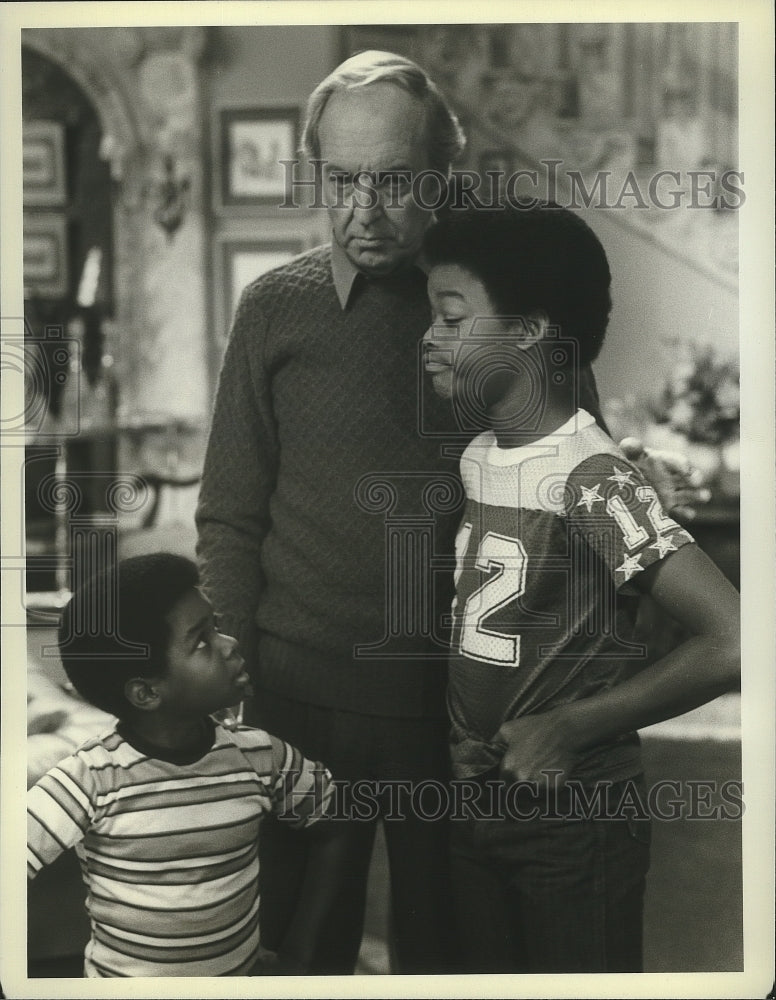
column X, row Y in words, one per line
column 326, row 860
column 303, row 794
column 611, row 507
column 302, row 790
column 59, row 811
column 693, row 590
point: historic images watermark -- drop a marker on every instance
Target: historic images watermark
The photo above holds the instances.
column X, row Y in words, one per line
column 554, row 181
column 478, row 362
column 84, row 506
column 45, row 364
column 430, row 800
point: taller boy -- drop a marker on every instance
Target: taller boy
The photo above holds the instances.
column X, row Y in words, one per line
column 559, row 536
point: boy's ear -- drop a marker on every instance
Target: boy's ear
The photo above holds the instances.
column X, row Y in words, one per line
column 530, row 329
column 143, row 693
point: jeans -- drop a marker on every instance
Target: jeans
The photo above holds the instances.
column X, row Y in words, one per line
column 550, row 894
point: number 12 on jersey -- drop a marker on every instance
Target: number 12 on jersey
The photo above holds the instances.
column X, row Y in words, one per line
column 506, row 559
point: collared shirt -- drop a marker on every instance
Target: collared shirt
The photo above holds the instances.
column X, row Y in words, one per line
column 344, row 272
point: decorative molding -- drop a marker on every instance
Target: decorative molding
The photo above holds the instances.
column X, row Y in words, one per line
column 122, row 134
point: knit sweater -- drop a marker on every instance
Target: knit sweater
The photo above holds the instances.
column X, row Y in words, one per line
column 316, row 422
column 319, row 521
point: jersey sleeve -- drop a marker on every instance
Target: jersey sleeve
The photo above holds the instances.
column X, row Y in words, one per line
column 302, row 790
column 60, row 809
column 613, row 507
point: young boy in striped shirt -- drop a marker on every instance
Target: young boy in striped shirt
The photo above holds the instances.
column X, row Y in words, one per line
column 164, row 807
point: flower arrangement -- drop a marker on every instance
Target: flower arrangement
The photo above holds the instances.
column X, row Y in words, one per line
column 701, row 398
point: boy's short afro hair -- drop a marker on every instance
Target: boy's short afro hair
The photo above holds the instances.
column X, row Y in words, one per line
column 114, row 627
column 532, row 257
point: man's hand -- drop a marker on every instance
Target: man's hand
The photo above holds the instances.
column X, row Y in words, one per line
column 676, row 483
column 534, row 745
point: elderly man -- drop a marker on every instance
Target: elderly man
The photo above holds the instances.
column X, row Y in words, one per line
column 319, row 436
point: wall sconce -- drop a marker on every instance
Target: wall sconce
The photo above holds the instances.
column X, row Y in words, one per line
column 171, row 195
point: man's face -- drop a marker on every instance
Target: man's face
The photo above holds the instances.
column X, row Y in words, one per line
column 379, row 129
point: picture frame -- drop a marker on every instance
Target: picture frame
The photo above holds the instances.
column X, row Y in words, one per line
column 44, row 250
column 244, row 260
column 253, row 142
column 44, row 181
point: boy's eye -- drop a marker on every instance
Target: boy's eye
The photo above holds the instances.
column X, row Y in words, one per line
column 205, row 638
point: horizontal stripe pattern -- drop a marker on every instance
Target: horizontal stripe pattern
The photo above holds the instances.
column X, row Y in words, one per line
column 169, row 852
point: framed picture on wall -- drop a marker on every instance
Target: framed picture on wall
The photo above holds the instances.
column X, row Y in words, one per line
column 254, row 141
column 44, row 239
column 245, row 260
column 43, row 163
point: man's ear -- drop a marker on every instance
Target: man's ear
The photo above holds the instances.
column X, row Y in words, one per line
column 143, row 693
column 530, row 329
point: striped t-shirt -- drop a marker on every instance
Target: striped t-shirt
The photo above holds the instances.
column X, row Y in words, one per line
column 168, row 851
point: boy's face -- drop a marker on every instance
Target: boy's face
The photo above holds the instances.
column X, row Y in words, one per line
column 205, row 671
column 462, row 347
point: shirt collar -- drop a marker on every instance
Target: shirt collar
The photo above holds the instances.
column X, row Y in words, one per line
column 580, row 421
column 344, row 272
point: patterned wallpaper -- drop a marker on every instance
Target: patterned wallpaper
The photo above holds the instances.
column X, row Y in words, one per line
column 642, row 118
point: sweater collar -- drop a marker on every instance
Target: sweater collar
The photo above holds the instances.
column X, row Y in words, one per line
column 344, row 272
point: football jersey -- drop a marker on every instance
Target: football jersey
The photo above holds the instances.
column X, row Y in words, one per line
column 552, row 535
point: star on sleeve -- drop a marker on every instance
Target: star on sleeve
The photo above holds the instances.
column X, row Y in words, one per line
column 663, row 545
column 620, row 477
column 590, row 496
column 630, row 566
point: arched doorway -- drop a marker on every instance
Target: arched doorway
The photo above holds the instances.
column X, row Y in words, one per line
column 69, row 296
column 150, row 289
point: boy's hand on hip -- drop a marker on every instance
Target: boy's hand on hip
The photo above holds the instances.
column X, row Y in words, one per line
column 534, row 745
